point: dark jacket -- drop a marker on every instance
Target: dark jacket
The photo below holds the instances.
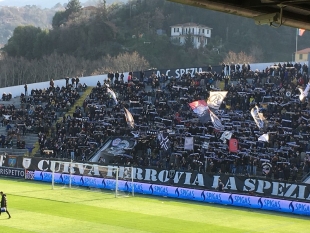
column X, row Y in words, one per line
column 3, row 201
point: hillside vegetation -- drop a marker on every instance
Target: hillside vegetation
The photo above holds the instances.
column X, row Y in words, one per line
column 84, row 41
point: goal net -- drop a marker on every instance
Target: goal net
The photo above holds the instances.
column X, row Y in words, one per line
column 93, row 177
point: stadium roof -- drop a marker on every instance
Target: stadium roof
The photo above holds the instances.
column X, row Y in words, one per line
column 295, row 13
column 190, row 25
column 303, row 51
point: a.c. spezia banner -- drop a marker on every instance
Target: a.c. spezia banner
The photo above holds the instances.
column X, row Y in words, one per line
column 253, row 202
column 178, row 72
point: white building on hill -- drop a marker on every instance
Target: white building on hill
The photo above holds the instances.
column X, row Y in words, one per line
column 199, row 33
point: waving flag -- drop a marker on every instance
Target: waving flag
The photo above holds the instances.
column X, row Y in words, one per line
column 135, row 134
column 304, row 93
column 201, row 109
column 205, row 145
column 216, row 99
column 233, row 145
column 112, row 93
column 216, row 122
column 7, row 117
column 226, row 136
column 264, row 137
column 300, row 31
column 258, row 117
column 164, row 140
column 129, row 119
column 189, row 143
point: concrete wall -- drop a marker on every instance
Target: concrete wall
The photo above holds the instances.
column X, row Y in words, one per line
column 89, row 81
column 92, row 81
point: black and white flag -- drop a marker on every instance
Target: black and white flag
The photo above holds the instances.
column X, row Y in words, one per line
column 258, row 117
column 112, row 94
column 129, row 118
column 216, row 122
column 304, row 94
column 264, row 137
column 164, row 140
column 7, row 117
column 226, row 136
column 205, row 145
column 189, row 143
column 216, row 99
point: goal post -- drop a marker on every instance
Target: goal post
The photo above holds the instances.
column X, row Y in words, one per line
column 93, row 177
column 125, row 181
column 62, row 174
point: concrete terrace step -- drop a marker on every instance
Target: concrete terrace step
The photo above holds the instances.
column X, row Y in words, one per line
column 15, row 101
column 17, row 152
column 30, row 140
column 83, row 95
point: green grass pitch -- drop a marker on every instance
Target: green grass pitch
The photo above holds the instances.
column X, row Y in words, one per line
column 35, row 207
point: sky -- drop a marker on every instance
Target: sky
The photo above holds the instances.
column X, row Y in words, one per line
column 41, row 3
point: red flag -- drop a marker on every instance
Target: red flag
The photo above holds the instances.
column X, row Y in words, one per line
column 233, row 145
column 201, row 109
column 197, row 104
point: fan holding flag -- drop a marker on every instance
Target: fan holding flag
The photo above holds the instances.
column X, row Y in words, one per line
column 216, row 98
column 258, row 117
column 164, row 141
column 112, row 94
column 304, row 94
column 129, row 118
column 201, row 109
column 204, row 113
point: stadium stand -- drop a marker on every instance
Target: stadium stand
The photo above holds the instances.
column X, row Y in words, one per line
column 161, row 105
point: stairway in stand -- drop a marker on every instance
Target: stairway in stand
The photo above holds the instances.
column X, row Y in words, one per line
column 79, row 102
column 30, row 138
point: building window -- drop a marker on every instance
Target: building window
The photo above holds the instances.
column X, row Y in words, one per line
column 193, row 30
column 178, row 29
column 207, row 31
column 199, row 31
column 173, row 29
column 203, row 31
column 300, row 56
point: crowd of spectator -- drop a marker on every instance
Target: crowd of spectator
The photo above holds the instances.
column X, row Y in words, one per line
column 60, row 139
column 161, row 104
column 36, row 113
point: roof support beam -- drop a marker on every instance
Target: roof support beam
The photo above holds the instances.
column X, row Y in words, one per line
column 293, row 18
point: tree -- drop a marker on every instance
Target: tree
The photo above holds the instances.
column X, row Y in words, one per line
column 59, row 18
column 257, row 53
column 21, row 44
column 238, row 58
column 74, row 6
column 102, row 7
column 126, row 62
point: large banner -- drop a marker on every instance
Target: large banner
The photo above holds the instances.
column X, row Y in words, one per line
column 118, row 146
column 178, row 72
column 247, row 201
column 188, row 179
column 12, row 172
